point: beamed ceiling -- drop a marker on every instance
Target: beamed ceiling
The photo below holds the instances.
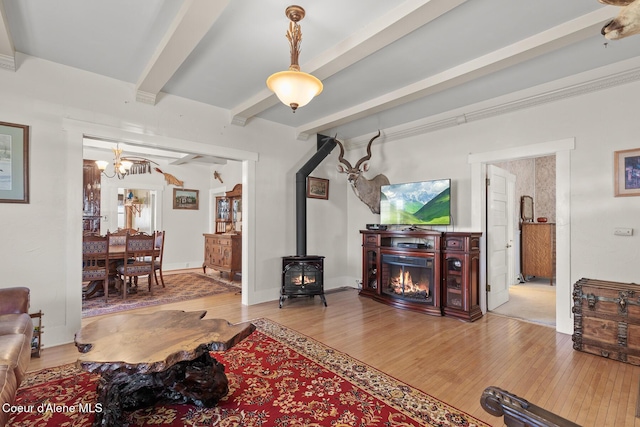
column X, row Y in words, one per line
column 401, row 66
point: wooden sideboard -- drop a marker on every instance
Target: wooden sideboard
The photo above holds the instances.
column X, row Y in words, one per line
column 423, row 270
column 539, row 250
column 223, row 252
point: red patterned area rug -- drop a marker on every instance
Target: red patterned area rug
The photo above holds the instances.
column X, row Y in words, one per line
column 178, row 287
column 277, row 377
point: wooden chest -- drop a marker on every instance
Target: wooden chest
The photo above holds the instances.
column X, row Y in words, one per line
column 607, row 319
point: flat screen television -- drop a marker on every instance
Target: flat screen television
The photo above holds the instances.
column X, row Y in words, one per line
column 416, row 203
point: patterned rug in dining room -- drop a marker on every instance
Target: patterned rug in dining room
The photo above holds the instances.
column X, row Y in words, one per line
column 277, row 377
column 178, row 287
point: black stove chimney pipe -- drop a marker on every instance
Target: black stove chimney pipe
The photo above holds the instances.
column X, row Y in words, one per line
column 328, row 144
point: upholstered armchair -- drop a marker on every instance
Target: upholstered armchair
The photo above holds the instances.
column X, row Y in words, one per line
column 16, row 331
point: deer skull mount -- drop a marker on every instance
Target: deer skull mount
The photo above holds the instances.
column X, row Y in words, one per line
column 367, row 190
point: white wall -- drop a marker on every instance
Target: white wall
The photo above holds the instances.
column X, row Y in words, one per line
column 40, row 242
column 598, row 129
column 327, row 225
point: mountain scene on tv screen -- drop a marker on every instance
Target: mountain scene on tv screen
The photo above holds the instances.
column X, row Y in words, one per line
column 420, row 203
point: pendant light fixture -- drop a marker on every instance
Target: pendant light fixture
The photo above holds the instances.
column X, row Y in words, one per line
column 294, row 87
column 123, row 166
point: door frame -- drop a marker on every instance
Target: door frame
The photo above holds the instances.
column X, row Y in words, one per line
column 77, row 130
column 562, row 150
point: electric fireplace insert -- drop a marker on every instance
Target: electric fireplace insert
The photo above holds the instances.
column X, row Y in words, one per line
column 408, row 278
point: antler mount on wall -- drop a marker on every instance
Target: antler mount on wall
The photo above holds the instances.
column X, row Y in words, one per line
column 367, row 190
column 627, row 23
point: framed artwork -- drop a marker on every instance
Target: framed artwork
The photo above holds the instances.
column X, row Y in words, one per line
column 185, row 199
column 14, row 163
column 317, row 188
column 627, row 172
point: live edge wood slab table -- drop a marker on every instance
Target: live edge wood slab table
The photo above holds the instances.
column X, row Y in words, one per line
column 162, row 356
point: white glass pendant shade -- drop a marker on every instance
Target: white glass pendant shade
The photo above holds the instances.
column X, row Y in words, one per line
column 125, row 166
column 294, row 88
column 102, row 164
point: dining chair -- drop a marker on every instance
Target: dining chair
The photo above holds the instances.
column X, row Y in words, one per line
column 159, row 245
column 139, row 258
column 95, row 260
column 118, row 237
column 129, row 230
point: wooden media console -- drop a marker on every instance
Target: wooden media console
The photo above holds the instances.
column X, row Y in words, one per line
column 423, row 270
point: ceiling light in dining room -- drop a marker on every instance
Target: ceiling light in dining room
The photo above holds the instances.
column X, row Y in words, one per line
column 123, row 166
column 294, row 87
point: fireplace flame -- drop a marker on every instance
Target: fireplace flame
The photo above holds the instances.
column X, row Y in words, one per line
column 407, row 279
column 303, row 280
column 403, row 284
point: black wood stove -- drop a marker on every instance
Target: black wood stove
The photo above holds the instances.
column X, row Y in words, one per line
column 302, row 276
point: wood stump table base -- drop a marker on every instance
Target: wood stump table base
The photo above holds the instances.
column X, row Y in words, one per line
column 157, row 357
column 200, row 382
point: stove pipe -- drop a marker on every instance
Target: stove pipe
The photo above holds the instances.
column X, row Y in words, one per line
column 328, row 144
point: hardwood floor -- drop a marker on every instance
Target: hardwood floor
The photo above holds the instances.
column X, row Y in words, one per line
column 446, row 358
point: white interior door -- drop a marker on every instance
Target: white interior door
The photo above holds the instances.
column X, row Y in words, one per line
column 500, row 222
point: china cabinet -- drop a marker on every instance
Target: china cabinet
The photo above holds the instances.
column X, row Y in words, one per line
column 229, row 211
column 223, row 249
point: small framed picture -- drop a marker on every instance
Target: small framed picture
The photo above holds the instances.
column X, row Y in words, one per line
column 317, row 188
column 627, row 172
column 185, row 199
column 14, row 163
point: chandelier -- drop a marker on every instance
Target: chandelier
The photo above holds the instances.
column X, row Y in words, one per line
column 123, row 166
column 294, row 87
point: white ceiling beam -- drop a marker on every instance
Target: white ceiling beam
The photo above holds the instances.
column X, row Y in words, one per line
column 547, row 41
column 190, row 25
column 7, row 50
column 199, row 158
column 399, row 22
column 174, row 158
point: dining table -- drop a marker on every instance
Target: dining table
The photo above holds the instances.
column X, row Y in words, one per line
column 116, row 256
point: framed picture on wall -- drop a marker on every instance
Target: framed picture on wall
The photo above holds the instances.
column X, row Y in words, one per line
column 185, row 199
column 317, row 188
column 627, row 172
column 14, row 163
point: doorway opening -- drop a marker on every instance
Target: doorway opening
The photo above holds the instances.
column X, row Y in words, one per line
column 562, row 150
column 137, row 209
column 143, row 202
column 530, row 296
